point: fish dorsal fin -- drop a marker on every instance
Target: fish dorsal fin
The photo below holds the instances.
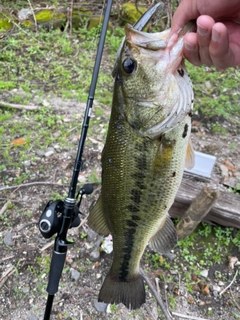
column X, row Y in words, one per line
column 96, row 219
column 190, row 157
column 165, row 238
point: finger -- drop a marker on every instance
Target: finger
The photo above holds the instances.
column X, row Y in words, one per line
column 180, row 19
column 191, row 49
column 221, row 54
column 204, row 30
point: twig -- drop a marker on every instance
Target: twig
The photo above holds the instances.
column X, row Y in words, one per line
column 165, row 292
column 34, row 17
column 6, row 258
column 16, row 201
column 18, row 106
column 6, row 275
column 19, row 28
column 187, row 317
column 33, row 184
column 23, row 226
column 4, row 208
column 81, row 315
column 57, row 302
column 150, row 312
column 198, row 209
column 70, row 21
column 47, row 246
column 236, row 304
column 169, row 14
column 234, row 278
column 157, row 284
column 159, row 300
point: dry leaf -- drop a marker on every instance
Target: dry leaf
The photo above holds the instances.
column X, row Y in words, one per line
column 18, row 142
column 195, row 287
column 194, row 277
column 232, row 262
column 190, row 300
column 204, row 288
column 196, row 123
column 176, row 291
column 229, row 165
column 67, row 258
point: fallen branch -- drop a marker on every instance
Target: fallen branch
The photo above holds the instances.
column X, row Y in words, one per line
column 34, row 17
column 4, row 208
column 18, row 106
column 19, row 27
column 157, row 297
column 230, row 284
column 34, row 184
column 47, row 246
column 6, row 258
column 234, row 300
column 187, row 317
column 23, row 226
column 198, row 209
column 6, row 275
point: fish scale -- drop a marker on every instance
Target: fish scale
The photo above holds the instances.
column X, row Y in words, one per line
column 143, row 159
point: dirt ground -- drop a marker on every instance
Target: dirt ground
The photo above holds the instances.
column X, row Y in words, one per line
column 25, row 254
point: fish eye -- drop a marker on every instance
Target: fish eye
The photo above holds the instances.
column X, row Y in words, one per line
column 129, row 65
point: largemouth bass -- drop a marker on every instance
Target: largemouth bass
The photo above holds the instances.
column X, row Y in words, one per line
column 146, row 150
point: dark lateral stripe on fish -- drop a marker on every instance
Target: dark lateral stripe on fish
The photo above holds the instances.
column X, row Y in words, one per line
column 131, row 223
column 136, row 218
column 136, row 196
column 185, row 131
column 129, row 241
column 141, row 163
column 139, row 176
column 132, row 208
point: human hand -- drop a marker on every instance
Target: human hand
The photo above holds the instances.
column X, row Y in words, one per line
column 217, row 40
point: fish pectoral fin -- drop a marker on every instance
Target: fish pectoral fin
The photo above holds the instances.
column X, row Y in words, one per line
column 190, row 156
column 96, row 220
column 165, row 238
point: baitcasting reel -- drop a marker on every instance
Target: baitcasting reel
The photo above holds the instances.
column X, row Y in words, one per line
column 51, row 219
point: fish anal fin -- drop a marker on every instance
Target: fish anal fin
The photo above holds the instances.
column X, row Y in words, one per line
column 131, row 292
column 165, row 238
column 190, row 157
column 96, row 219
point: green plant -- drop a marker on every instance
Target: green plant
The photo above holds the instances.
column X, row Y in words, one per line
column 113, row 307
column 83, row 235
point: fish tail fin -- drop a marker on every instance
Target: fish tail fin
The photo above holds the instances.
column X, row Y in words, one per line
column 131, row 293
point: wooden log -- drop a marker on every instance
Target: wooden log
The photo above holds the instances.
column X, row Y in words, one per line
column 225, row 212
column 198, row 209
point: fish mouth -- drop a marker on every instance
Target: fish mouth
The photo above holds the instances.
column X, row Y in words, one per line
column 190, row 26
column 158, row 40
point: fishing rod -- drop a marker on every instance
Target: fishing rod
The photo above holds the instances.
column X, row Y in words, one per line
column 60, row 215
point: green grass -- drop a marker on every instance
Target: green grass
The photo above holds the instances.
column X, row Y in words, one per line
column 216, row 93
column 207, row 246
